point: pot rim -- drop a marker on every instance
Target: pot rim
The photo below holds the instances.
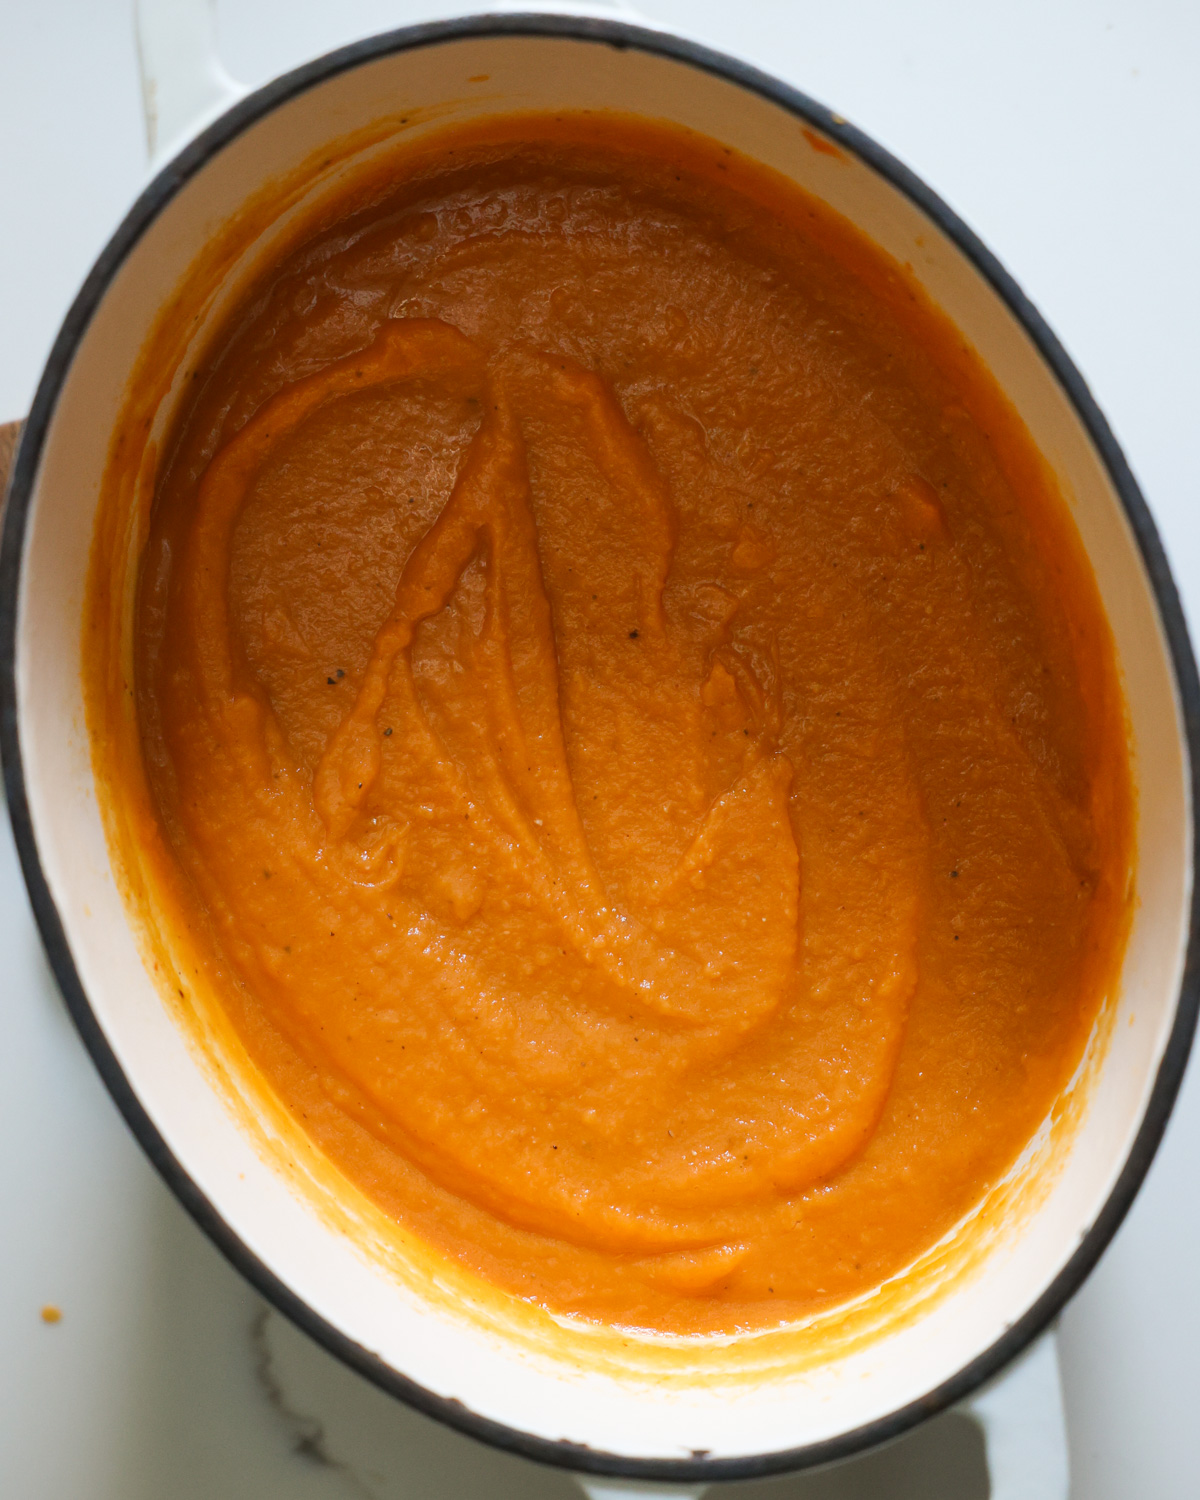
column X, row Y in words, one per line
column 150, row 203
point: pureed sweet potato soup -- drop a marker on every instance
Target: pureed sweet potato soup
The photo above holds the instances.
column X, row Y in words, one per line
column 634, row 728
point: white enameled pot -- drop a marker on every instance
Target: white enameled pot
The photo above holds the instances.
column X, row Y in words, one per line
column 619, row 1430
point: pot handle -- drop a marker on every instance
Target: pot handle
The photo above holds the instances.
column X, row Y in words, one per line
column 1024, row 1426
column 628, row 1489
column 1020, row 1413
column 184, row 85
column 10, row 433
column 611, row 10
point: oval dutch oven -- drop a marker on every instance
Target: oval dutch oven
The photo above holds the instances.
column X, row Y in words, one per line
column 553, row 1402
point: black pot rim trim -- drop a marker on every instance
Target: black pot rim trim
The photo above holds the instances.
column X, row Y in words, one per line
column 562, row 1453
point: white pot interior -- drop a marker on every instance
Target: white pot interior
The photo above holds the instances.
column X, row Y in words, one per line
column 550, row 1389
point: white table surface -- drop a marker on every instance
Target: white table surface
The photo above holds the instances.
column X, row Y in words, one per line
column 1067, row 132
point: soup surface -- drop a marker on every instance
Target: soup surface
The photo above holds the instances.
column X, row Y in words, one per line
column 632, row 723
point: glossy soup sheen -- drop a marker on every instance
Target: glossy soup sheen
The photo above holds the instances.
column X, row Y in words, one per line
column 634, row 727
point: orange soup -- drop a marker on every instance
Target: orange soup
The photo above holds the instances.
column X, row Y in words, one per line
column 633, row 725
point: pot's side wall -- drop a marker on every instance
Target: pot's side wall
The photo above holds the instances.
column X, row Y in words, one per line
column 661, row 1413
